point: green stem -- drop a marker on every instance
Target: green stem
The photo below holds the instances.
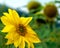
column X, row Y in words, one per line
column 51, row 26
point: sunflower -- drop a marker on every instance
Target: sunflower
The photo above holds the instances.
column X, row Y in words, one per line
column 33, row 6
column 18, row 31
column 50, row 11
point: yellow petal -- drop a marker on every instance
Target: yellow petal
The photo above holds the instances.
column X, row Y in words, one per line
column 32, row 46
column 9, row 42
column 9, row 36
column 9, row 19
column 14, row 15
column 7, row 28
column 16, row 36
column 29, row 30
column 31, row 35
column 22, row 45
column 33, row 38
column 25, row 21
column 5, row 20
column 27, row 43
column 13, row 36
column 17, row 42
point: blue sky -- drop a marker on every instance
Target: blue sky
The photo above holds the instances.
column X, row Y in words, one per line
column 20, row 3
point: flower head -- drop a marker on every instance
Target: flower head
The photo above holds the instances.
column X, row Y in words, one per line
column 50, row 10
column 18, row 31
column 34, row 6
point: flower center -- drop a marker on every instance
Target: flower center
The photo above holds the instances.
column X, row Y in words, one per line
column 21, row 30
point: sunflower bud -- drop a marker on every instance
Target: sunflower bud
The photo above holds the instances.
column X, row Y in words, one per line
column 33, row 6
column 50, row 11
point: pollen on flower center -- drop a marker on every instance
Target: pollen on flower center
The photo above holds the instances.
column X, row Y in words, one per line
column 21, row 30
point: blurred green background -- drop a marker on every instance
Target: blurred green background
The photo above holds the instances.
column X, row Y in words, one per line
column 48, row 33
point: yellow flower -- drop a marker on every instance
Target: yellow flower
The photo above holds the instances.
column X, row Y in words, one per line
column 18, row 30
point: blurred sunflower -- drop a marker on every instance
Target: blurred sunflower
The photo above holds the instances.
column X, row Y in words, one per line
column 50, row 11
column 33, row 6
column 18, row 30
